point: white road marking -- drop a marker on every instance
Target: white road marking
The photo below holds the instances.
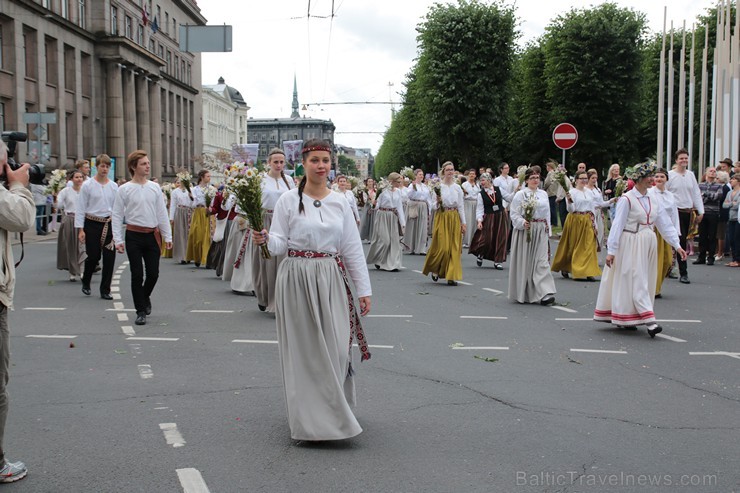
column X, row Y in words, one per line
column 170, row 339
column 128, row 330
column 564, row 309
column 717, row 353
column 377, row 346
column 418, row 272
column 498, row 348
column 389, row 316
column 120, row 309
column 116, row 277
column 483, row 317
column 161, row 408
column 464, row 283
column 670, row 338
column 211, row 311
column 680, row 321
column 660, row 320
column 122, row 317
column 172, row 435
column 192, row 481
column 115, row 296
column 115, row 283
column 39, row 336
column 494, row 291
column 115, row 289
column 254, row 341
column 117, row 306
column 44, row 308
column 145, row 372
column 604, row 351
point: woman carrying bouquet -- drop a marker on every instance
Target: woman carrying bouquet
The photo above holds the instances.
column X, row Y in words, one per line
column 264, row 271
column 599, row 204
column 577, row 250
column 627, row 287
column 315, row 312
column 70, row 251
column 444, row 256
column 217, row 250
column 385, row 245
column 668, row 202
column 471, row 190
column 417, row 215
column 489, row 241
column 343, row 187
column 530, row 279
column 199, row 238
column 181, row 210
column 366, row 227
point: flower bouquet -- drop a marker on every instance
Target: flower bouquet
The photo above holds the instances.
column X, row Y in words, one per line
column 57, row 182
column 529, row 205
column 246, row 185
column 186, row 179
column 435, row 185
column 620, row 187
column 167, row 190
column 209, row 193
column 561, row 177
column 353, row 181
column 521, row 172
column 383, row 185
column 359, row 192
column 408, row 172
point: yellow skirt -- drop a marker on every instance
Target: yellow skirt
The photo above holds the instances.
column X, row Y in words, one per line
column 576, row 251
column 199, row 239
column 665, row 261
column 167, row 252
column 444, row 255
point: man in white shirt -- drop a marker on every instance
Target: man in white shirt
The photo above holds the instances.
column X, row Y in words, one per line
column 140, row 203
column 683, row 185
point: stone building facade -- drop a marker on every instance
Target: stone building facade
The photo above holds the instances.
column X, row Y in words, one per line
column 112, row 72
column 224, row 118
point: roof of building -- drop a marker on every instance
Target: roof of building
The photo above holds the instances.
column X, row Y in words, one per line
column 225, row 89
column 287, row 121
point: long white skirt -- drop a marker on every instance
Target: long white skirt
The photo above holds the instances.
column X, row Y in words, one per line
column 241, row 277
column 233, row 242
column 180, row 231
column 366, row 222
column 385, row 244
column 530, row 278
column 313, row 336
column 469, row 206
column 627, row 289
column 416, row 235
column 264, row 271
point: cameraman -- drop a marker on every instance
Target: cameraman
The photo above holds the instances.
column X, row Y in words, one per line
column 16, row 215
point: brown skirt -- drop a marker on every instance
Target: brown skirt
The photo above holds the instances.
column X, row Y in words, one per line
column 490, row 242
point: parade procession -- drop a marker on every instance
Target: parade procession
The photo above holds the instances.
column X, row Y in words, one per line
column 513, row 266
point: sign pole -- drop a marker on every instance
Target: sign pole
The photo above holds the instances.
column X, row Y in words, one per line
column 563, row 161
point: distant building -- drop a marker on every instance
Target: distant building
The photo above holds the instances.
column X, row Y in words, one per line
column 224, row 118
column 111, row 71
column 272, row 132
column 363, row 159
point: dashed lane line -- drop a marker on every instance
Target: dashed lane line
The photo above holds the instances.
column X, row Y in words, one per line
column 464, row 283
column 716, row 353
column 670, row 338
column 602, row 351
column 122, row 317
column 128, row 330
column 165, row 339
column 41, row 336
column 211, row 311
column 662, row 320
column 145, row 372
column 494, row 291
column 495, row 348
column 44, row 308
column 172, row 435
column 564, row 309
column 483, row 317
column 192, row 481
column 120, row 309
column 117, row 305
column 115, row 289
column 254, row 341
column 389, row 316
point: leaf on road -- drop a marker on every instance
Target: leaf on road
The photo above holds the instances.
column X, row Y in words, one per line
column 51, row 283
column 571, row 360
column 487, row 360
column 457, row 344
column 121, row 351
column 423, row 293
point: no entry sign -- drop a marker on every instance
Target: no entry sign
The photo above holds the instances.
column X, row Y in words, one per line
column 565, row 136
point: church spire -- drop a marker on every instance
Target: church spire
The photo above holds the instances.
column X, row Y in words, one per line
column 295, row 113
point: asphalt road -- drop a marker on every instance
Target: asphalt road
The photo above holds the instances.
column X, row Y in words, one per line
column 448, row 403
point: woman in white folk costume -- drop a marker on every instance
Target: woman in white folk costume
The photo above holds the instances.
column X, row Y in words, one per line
column 264, row 271
column 315, row 312
column 242, row 246
column 70, row 251
column 599, row 204
column 234, row 237
column 217, row 249
column 167, row 252
column 417, row 215
column 385, row 250
column 471, row 190
column 489, row 240
column 668, row 204
column 366, row 226
column 343, row 188
column 627, row 287
column 181, row 210
column 530, row 279
column 577, row 250
column 444, row 255
column 199, row 238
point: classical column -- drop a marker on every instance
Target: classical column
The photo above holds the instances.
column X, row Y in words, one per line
column 155, row 126
column 114, row 120
column 129, row 119
column 143, row 114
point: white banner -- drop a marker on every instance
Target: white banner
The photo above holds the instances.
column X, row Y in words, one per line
column 246, row 153
column 292, row 150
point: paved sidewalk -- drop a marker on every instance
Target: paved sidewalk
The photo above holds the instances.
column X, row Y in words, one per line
column 30, row 236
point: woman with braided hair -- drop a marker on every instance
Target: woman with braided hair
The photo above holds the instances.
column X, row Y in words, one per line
column 385, row 244
column 264, row 271
column 316, row 315
column 199, row 238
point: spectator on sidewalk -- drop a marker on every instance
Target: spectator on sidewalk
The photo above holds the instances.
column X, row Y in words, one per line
column 40, row 200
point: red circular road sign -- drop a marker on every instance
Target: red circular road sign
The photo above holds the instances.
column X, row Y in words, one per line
column 565, row 136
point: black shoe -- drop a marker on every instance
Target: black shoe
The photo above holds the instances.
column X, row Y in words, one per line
column 435, row 277
column 452, row 283
column 106, row 296
column 479, row 261
column 148, row 309
column 498, row 266
column 564, row 274
column 182, row 262
column 261, row 307
column 654, row 329
column 140, row 319
column 377, row 267
column 684, row 279
column 591, row 279
column 710, row 262
column 699, row 261
column 197, row 264
column 86, row 290
column 658, row 296
column 548, row 300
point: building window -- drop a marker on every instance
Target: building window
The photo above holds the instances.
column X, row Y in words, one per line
column 159, row 14
column 86, row 74
column 50, row 51
column 65, row 9
column 182, row 69
column 29, row 50
column 174, row 29
column 114, row 21
column 151, row 45
column 166, row 23
column 2, row 116
column 190, row 74
column 45, row 4
column 128, row 32
column 140, row 35
column 81, row 14
column 161, row 51
column 168, row 61
column 2, row 46
column 69, row 68
column 177, row 67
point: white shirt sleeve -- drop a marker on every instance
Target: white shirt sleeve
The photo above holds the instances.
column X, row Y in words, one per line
column 119, row 207
column 277, row 240
column 81, row 207
column 618, row 224
column 515, row 210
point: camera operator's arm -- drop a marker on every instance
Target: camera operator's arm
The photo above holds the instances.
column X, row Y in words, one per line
column 17, row 210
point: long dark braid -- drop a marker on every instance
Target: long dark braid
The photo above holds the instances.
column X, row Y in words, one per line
column 285, row 180
column 300, row 195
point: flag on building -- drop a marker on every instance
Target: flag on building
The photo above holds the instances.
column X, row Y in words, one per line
column 144, row 15
column 155, row 26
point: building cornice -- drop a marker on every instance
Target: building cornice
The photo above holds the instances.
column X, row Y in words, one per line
column 48, row 15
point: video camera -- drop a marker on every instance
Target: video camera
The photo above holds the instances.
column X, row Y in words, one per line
column 36, row 172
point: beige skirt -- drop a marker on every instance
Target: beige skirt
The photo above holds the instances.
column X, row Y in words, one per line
column 233, row 242
column 385, row 244
column 180, row 230
column 530, row 278
column 313, row 335
column 264, row 271
column 70, row 252
column 416, row 235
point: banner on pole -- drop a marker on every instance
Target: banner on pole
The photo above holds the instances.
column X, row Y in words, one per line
column 292, row 150
column 246, row 153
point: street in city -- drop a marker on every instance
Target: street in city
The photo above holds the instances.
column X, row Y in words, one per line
column 465, row 391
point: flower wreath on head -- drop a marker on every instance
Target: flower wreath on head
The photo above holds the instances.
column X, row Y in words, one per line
column 641, row 170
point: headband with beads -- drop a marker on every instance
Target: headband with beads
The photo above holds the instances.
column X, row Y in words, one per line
column 315, row 148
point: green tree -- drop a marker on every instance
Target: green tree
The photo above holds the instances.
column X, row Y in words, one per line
column 347, row 166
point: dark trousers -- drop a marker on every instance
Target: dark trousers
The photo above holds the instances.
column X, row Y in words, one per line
column 684, row 221
column 708, row 237
column 563, row 212
column 93, row 232
column 733, row 228
column 143, row 253
column 553, row 211
column 41, row 218
column 4, row 374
